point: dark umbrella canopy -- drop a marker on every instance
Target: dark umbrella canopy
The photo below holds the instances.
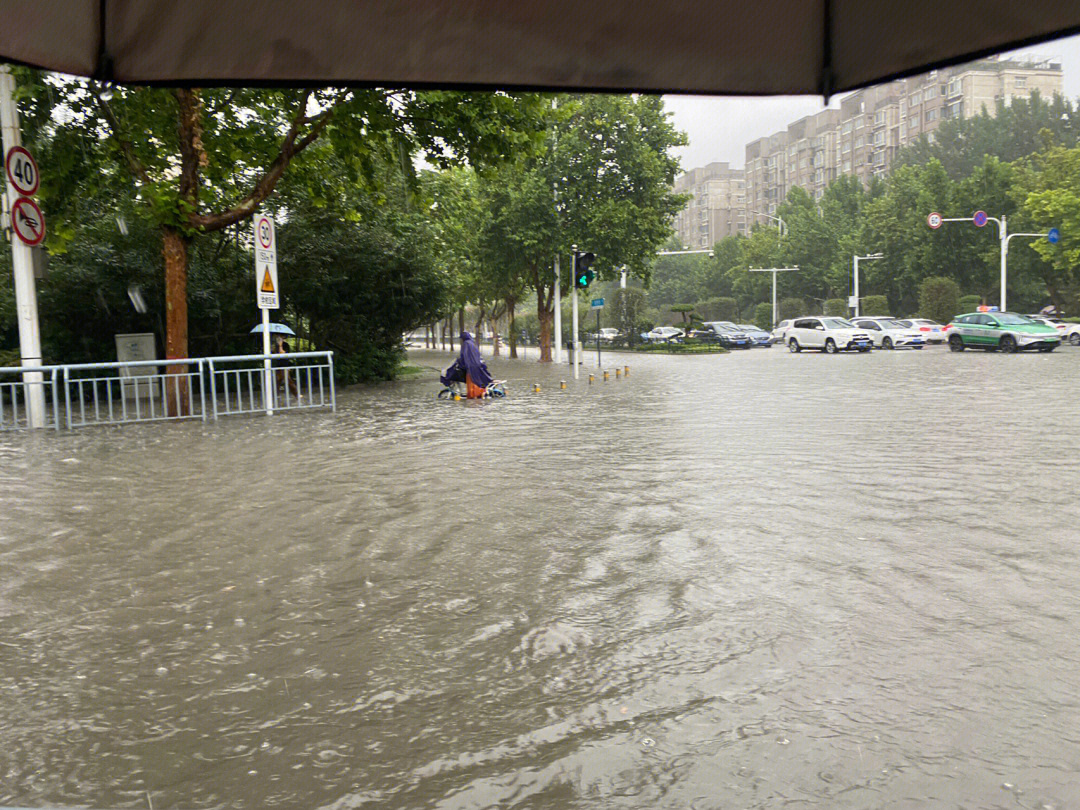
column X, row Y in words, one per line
column 699, row 46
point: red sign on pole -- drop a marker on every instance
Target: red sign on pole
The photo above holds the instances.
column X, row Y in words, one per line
column 27, row 221
column 934, row 220
column 22, row 171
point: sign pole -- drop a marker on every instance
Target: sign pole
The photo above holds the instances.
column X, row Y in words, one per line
column 268, row 296
column 1003, row 231
column 22, row 260
column 598, row 339
column 268, row 374
column 574, row 356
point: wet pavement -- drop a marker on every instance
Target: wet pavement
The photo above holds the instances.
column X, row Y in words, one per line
column 755, row 580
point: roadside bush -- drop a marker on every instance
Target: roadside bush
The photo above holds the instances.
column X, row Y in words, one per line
column 875, row 305
column 939, row 299
column 968, row 303
column 719, row 309
column 837, row 307
column 792, row 308
column 763, row 316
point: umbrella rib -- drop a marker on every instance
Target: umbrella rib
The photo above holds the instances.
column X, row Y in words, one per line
column 104, row 69
column 828, row 79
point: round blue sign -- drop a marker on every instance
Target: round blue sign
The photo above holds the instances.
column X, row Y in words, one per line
column 1053, row 236
column 979, row 218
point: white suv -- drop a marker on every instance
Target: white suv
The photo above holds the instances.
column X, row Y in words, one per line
column 831, row 335
column 888, row 333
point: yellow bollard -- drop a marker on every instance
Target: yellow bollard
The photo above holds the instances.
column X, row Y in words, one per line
column 618, row 373
column 562, row 384
column 591, row 378
column 536, row 388
column 605, row 376
column 626, row 371
column 457, row 397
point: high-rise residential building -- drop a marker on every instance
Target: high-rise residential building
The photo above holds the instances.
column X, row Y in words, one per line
column 862, row 137
column 717, row 207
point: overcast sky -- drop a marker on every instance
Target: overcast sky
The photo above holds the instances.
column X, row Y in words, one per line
column 720, row 127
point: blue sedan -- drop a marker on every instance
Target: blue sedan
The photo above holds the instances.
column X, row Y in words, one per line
column 759, row 336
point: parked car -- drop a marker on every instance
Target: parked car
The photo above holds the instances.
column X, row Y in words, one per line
column 831, row 335
column 609, row 335
column 779, row 334
column 1001, row 330
column 889, row 333
column 759, row 336
column 1053, row 321
column 1072, row 334
column 932, row 331
column 663, row 334
column 730, row 335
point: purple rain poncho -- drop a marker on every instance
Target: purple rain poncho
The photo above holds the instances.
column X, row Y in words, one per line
column 468, row 362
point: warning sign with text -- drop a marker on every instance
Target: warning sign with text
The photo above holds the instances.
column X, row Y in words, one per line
column 266, row 279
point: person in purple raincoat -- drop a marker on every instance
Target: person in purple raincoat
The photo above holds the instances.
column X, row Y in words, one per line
column 469, row 368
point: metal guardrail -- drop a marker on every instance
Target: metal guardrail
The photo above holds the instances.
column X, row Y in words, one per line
column 115, row 393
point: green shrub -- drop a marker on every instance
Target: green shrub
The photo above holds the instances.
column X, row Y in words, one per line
column 718, row 309
column 792, row 308
column 968, row 303
column 939, row 299
column 837, row 307
column 763, row 316
column 874, row 305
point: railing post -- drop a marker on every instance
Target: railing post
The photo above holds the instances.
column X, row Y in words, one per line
column 67, row 397
column 202, row 388
column 55, row 399
column 213, row 386
column 333, row 390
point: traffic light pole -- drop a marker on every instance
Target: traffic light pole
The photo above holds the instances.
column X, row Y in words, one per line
column 575, row 354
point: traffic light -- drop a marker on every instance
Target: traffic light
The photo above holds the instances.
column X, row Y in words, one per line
column 583, row 272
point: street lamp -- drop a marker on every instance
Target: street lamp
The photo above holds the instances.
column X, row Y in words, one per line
column 854, row 302
column 783, row 225
column 710, row 251
column 774, row 271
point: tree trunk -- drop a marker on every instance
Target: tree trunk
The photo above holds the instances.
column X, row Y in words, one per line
column 461, row 319
column 545, row 316
column 175, row 251
column 495, row 338
column 511, row 325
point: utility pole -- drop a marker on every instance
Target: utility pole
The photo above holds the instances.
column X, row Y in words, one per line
column 854, row 302
column 774, row 271
column 979, row 218
column 22, row 260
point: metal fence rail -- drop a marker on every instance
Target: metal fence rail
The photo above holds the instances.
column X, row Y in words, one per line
column 87, row 394
column 13, row 395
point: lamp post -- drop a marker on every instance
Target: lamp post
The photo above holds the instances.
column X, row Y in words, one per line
column 783, row 225
column 774, row 271
column 854, row 302
column 979, row 218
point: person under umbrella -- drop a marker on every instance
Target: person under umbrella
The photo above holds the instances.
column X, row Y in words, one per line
column 470, row 369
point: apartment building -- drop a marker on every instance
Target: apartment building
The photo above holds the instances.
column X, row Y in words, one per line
column 863, row 136
column 717, row 207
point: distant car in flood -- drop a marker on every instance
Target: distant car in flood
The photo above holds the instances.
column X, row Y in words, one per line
column 779, row 334
column 932, row 331
column 759, row 336
column 889, row 333
column 663, row 334
column 730, row 336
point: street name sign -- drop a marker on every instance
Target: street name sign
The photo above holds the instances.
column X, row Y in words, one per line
column 597, row 303
column 267, row 292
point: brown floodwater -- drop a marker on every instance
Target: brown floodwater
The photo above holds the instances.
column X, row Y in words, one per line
column 747, row 581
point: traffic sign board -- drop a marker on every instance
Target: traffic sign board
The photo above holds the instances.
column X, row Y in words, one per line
column 22, row 171
column 1053, row 236
column 934, row 220
column 267, row 292
column 27, row 221
column 597, row 303
column 979, row 218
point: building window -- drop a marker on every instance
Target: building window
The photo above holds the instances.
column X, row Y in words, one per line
column 879, row 118
column 1020, row 81
column 931, row 115
column 954, row 88
column 819, row 176
column 846, row 128
column 915, row 98
column 847, row 146
column 930, row 92
column 913, row 122
column 859, row 141
column 847, row 166
column 879, row 138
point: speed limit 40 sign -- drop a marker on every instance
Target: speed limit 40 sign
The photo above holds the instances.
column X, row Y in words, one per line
column 22, row 171
column 934, row 220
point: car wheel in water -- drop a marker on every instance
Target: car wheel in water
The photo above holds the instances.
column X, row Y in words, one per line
column 793, row 346
column 1008, row 344
column 887, row 343
column 1074, row 338
column 956, row 343
column 830, row 346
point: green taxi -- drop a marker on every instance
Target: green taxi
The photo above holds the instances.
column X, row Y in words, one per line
column 1000, row 330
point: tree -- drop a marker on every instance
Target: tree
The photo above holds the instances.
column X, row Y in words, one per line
column 201, row 160
column 763, row 316
column 792, row 308
column 687, row 313
column 628, row 309
column 939, row 299
column 874, row 305
column 608, row 165
column 837, row 307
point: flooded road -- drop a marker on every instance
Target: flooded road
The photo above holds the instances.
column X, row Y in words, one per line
column 755, row 580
